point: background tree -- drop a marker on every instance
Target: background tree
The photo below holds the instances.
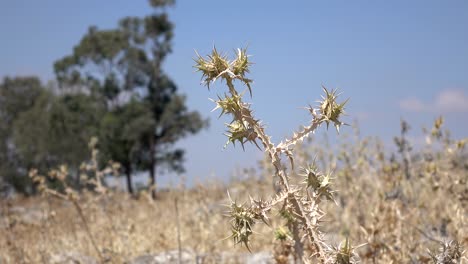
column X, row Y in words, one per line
column 41, row 129
column 124, row 65
column 56, row 130
column 17, row 95
column 121, row 131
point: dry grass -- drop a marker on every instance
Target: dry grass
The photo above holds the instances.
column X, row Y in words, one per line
column 400, row 219
column 123, row 227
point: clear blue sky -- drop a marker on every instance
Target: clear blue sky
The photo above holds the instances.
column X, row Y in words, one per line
column 392, row 58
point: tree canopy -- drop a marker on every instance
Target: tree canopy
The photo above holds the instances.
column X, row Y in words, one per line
column 17, row 95
column 112, row 86
column 123, row 66
column 42, row 130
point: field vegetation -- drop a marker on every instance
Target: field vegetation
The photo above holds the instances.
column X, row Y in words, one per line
column 355, row 199
column 403, row 206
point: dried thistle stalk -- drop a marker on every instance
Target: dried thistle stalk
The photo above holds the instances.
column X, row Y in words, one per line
column 300, row 203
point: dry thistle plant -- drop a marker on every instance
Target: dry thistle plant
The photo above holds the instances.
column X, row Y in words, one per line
column 297, row 203
column 65, row 192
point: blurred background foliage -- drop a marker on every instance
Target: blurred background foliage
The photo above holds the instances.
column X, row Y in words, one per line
column 112, row 86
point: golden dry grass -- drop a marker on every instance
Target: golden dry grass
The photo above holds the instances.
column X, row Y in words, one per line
column 399, row 219
column 123, row 227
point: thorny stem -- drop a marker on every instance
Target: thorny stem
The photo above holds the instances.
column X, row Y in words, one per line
column 273, row 153
column 298, row 247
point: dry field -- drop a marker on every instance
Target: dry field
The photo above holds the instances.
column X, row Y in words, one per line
column 405, row 207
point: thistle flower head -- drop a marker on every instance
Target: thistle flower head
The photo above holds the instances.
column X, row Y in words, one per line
column 319, row 182
column 230, row 104
column 461, row 143
column 260, row 208
column 242, row 221
column 286, row 213
column 345, row 253
column 449, row 252
column 437, row 129
column 240, row 66
column 282, row 233
column 240, row 131
column 212, row 67
column 216, row 66
column 438, row 122
column 311, row 176
column 330, row 110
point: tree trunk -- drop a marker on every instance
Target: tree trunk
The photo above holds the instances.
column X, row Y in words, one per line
column 128, row 174
column 152, row 169
column 157, row 70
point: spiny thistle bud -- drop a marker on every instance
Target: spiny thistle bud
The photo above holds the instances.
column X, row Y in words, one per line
column 436, row 130
column 260, row 208
column 343, row 256
column 286, row 213
column 242, row 221
column 438, row 122
column 461, row 143
column 240, row 66
column 311, row 174
column 449, row 252
column 318, row 181
column 230, row 104
column 282, row 233
column 330, row 110
column 214, row 66
column 240, row 131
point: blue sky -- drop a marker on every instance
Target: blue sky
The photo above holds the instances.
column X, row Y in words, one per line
column 392, row 58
